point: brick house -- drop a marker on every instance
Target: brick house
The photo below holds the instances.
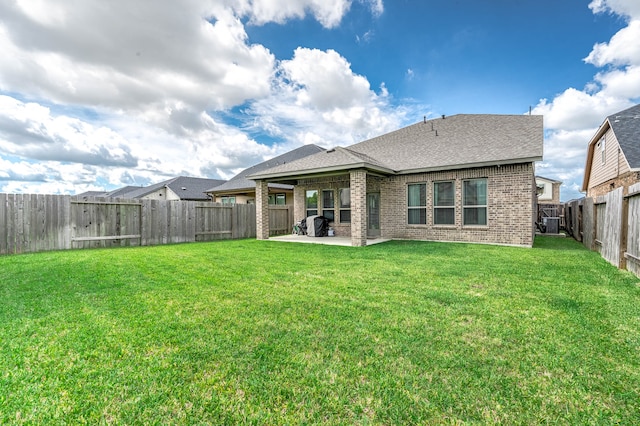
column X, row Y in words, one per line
column 467, row 178
column 613, row 154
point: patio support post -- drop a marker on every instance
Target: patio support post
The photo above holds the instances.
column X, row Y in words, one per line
column 358, row 208
column 262, row 210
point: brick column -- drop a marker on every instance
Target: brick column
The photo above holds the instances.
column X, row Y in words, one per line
column 358, row 208
column 299, row 203
column 262, row 210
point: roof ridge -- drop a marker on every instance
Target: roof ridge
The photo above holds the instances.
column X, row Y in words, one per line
column 365, row 157
column 349, row 153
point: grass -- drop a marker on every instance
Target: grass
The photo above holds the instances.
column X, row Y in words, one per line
column 251, row 332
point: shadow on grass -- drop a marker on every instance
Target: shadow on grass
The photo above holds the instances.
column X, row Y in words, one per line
column 557, row 243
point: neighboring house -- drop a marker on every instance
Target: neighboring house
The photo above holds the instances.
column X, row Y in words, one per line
column 242, row 190
column 548, row 190
column 461, row 178
column 179, row 188
column 613, row 154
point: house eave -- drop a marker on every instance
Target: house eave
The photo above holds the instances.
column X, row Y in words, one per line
column 382, row 171
column 470, row 165
column 246, row 190
column 321, row 171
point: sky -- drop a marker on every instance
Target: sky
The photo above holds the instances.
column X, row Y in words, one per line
column 101, row 94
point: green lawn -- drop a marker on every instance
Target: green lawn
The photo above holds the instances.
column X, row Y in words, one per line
column 259, row 332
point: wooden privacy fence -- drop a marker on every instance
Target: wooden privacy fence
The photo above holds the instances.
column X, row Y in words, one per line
column 31, row 223
column 609, row 224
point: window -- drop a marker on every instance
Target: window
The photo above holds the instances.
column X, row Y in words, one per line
column 277, row 199
column 603, row 152
column 417, row 204
column 312, row 203
column 443, row 203
column 474, row 202
column 345, row 205
column 328, row 205
column 228, row 200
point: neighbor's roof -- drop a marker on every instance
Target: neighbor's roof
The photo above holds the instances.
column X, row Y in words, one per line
column 241, row 183
column 116, row 193
column 547, row 179
column 187, row 188
column 626, row 127
column 456, row 142
column 121, row 192
column 92, row 194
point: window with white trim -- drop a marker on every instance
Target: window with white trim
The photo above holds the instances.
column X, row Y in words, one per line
column 603, row 151
column 417, row 204
column 474, row 202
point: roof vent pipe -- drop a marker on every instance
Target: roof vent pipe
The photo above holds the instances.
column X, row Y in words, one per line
column 443, row 116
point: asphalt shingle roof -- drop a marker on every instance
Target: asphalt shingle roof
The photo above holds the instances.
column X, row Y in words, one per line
column 626, row 126
column 187, row 188
column 459, row 141
column 240, row 181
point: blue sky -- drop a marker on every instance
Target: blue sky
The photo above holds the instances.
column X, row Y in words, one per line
column 97, row 95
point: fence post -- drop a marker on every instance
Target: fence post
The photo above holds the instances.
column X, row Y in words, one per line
column 624, row 228
column 235, row 211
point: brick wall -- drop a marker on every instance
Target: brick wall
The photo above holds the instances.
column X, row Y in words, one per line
column 358, row 208
column 625, row 180
column 510, row 209
column 262, row 210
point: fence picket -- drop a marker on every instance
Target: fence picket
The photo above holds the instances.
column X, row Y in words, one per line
column 633, row 231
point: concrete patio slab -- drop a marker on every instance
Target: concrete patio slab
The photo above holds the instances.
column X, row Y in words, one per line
column 333, row 241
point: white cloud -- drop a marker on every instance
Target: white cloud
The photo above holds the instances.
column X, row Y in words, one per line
column 120, row 151
column 30, row 131
column 622, row 49
column 328, row 12
column 131, row 55
column 325, row 79
column 576, row 110
column 620, row 83
column 628, row 8
column 319, row 99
